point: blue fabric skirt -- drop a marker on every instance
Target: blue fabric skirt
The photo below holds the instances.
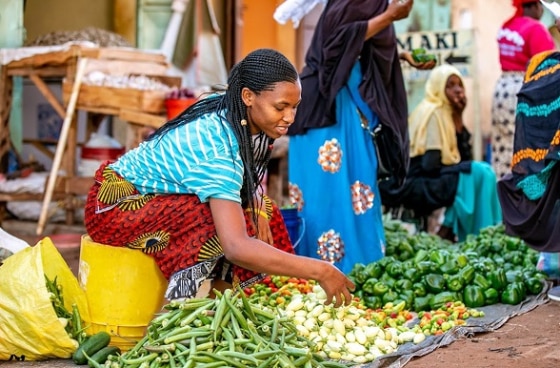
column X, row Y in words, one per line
column 476, row 203
column 333, row 180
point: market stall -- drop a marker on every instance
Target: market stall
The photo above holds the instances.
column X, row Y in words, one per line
column 122, row 82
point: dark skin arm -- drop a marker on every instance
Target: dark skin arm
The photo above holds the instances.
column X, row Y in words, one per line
column 396, row 10
column 258, row 256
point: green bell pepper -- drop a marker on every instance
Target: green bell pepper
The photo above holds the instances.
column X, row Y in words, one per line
column 442, row 298
column 473, row 296
column 419, row 289
column 389, row 296
column 425, row 267
column 511, row 295
column 394, row 269
column 403, row 284
column 467, row 273
column 369, row 285
column 437, row 257
column 434, row 282
column 514, row 276
column 491, row 296
column 421, row 255
column 534, row 285
column 373, row 269
column 372, row 301
column 454, row 282
column 498, row 279
column 422, row 303
column 462, row 260
column 449, row 267
column 380, row 288
column 412, row 274
column 481, row 281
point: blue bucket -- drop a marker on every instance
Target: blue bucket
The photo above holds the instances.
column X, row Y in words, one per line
column 294, row 224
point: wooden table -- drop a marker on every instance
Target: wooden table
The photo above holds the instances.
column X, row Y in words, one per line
column 61, row 65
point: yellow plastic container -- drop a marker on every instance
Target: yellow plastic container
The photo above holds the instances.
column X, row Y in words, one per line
column 124, row 289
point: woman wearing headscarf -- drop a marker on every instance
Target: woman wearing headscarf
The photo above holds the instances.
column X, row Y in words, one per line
column 520, row 37
column 189, row 196
column 442, row 173
column 530, row 194
column 351, row 83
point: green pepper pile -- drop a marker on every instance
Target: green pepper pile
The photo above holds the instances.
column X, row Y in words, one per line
column 426, row 272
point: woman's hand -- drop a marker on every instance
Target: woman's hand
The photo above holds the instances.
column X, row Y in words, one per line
column 407, row 56
column 337, row 286
column 399, row 9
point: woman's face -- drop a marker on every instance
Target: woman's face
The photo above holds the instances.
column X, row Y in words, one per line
column 455, row 92
column 272, row 112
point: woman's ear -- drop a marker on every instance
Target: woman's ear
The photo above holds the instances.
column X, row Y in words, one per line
column 247, row 96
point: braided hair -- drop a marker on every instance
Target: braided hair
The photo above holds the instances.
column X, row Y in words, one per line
column 259, row 71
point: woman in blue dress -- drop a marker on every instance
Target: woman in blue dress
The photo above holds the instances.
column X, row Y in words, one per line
column 352, row 82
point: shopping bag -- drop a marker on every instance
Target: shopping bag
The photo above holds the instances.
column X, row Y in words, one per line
column 29, row 326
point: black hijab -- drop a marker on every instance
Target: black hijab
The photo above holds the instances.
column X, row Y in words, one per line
column 337, row 43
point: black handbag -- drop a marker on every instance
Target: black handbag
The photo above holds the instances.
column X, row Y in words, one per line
column 386, row 160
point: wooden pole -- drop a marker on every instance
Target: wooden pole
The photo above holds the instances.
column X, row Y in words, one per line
column 61, row 146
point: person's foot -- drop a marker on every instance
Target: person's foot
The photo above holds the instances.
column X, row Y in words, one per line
column 554, row 294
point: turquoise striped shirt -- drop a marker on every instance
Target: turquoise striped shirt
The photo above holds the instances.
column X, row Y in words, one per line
column 201, row 157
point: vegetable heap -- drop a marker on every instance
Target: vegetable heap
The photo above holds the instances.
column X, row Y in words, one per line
column 228, row 330
column 426, row 272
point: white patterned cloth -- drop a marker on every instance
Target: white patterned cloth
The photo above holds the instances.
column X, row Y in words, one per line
column 295, row 10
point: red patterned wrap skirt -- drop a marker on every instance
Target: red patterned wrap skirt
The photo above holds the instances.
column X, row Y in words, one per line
column 176, row 229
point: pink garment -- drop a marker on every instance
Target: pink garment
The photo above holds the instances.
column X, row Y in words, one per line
column 519, row 39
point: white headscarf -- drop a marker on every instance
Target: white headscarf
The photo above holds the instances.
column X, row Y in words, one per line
column 435, row 105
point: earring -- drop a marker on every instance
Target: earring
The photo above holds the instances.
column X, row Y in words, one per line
column 243, row 122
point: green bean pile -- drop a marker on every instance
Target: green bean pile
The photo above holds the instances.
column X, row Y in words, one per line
column 228, row 331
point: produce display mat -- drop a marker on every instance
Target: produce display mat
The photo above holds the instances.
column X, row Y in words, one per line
column 495, row 316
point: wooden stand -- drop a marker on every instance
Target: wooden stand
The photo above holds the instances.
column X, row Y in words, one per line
column 62, row 65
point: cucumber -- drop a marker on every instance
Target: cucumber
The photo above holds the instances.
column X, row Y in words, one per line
column 102, row 355
column 91, row 346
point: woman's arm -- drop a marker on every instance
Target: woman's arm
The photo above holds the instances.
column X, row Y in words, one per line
column 396, row 10
column 258, row 256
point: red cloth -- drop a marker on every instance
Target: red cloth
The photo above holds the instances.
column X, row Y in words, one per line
column 176, row 229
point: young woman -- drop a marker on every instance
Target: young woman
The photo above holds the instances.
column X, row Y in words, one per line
column 189, row 195
column 441, row 173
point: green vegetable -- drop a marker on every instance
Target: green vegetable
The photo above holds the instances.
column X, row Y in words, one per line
column 380, row 288
column 423, row 303
column 373, row 269
column 394, row 269
column 454, row 282
column 450, row 267
column 368, row 286
column 412, row 274
column 403, row 284
column 491, row 296
column 389, row 296
column 511, row 295
column 419, row 289
column 442, row 298
column 421, row 255
column 498, row 279
column 481, row 281
column 102, row 355
column 473, row 296
column 467, row 273
column 91, row 346
column 534, row 285
column 435, row 283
